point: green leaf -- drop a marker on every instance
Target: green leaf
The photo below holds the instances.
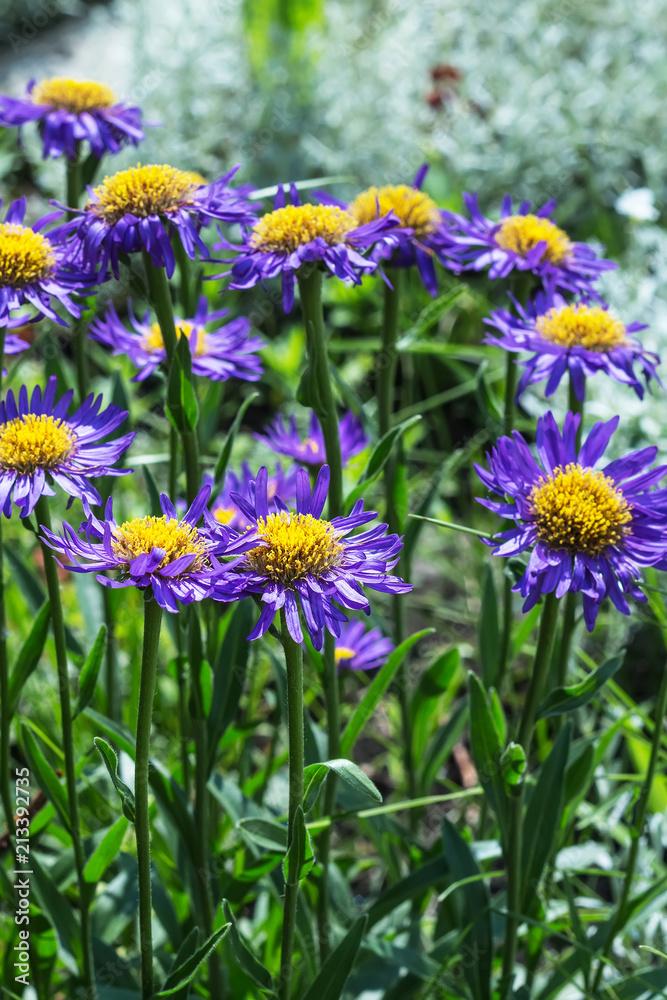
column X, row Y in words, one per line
column 229, row 675
column 441, row 746
column 423, row 879
column 299, row 858
column 431, row 314
column 265, row 833
column 153, row 491
column 55, row 906
column 378, row 458
column 106, row 851
column 32, row 590
column 375, row 691
column 489, row 631
column 226, row 451
column 330, row 982
column 435, row 691
column 242, row 954
column 29, row 656
column 567, row 699
column 184, row 973
column 486, row 749
column 45, row 777
column 181, row 405
column 314, row 775
column 125, row 794
column 90, row 670
column 650, row 982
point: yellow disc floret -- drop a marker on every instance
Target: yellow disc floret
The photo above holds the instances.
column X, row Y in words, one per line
column 153, row 341
column 580, row 325
column 73, row 95
column 343, row 654
column 581, row 510
column 297, row 545
column 142, row 191
column 413, row 208
column 35, row 441
column 285, row 229
column 225, row 514
column 521, row 233
column 25, row 256
column 143, row 534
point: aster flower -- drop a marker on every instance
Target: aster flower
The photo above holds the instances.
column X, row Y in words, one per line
column 590, row 530
column 227, row 512
column 13, row 345
column 41, row 446
column 143, row 208
column 302, row 561
column 71, row 111
column 359, row 648
column 423, row 232
column 578, row 338
column 287, row 440
column 521, row 241
column 179, row 561
column 292, row 235
column 32, row 269
column 220, row 354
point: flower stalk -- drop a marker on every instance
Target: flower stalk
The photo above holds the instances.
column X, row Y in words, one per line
column 4, row 667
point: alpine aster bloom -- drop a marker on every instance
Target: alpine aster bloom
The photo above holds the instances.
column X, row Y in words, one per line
column 32, row 269
column 13, row 345
column 590, row 530
column 524, row 242
column 41, row 446
column 227, row 512
column 287, row 440
column 220, row 354
column 143, row 208
column 302, row 561
column 359, row 648
column 71, row 111
column 178, row 560
column 578, row 338
column 281, row 241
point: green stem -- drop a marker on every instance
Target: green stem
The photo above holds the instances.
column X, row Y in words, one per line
column 5, row 721
column 545, row 644
column 53, row 586
column 508, row 424
column 160, row 296
column 173, row 461
column 332, row 698
column 152, row 623
column 294, row 665
column 621, row 915
column 191, row 461
column 510, row 392
column 79, row 328
column 576, row 406
column 187, row 284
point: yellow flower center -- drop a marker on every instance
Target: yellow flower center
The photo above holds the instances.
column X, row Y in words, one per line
column 225, row 514
column 143, row 534
column 25, row 256
column 196, row 177
column 35, row 442
column 153, row 341
column 343, row 654
column 293, row 226
column 413, row 208
column 580, row 510
column 298, row 545
column 580, row 325
column 142, row 191
column 521, row 233
column 73, row 95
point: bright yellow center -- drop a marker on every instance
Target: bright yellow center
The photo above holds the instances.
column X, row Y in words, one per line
column 580, row 510
column 35, row 442
column 143, row 534
column 293, row 226
column 521, row 233
column 413, row 208
column 25, row 256
column 153, row 341
column 580, row 325
column 343, row 654
column 142, row 191
column 225, row 514
column 196, row 177
column 298, row 545
column 73, row 95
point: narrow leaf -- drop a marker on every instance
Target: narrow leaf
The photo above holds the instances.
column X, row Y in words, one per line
column 106, row 851
column 567, row 699
column 125, row 793
column 486, row 748
column 226, row 451
column 353, row 776
column 333, row 975
column 45, row 776
column 242, row 954
column 378, row 458
column 29, row 656
column 90, row 671
column 182, row 975
column 299, row 858
column 489, row 632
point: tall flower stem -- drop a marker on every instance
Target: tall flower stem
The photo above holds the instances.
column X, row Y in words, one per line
column 621, row 915
column 53, row 586
column 152, row 623
column 575, row 405
column 321, row 398
column 187, row 280
column 294, row 665
column 538, row 676
column 5, row 791
column 74, row 187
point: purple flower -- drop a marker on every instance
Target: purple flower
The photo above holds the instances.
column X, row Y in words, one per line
column 41, row 446
column 287, row 440
column 590, row 531
column 227, row 352
column 179, row 561
column 144, row 208
column 227, row 512
column 359, row 648
column 302, row 561
column 280, row 242
column 72, row 111
column 13, row 345
column 578, row 338
column 423, row 232
column 32, row 270
column 524, row 242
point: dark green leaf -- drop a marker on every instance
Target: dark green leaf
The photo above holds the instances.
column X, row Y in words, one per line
column 299, row 858
column 422, row 880
column 436, row 689
column 125, row 793
column 229, row 675
column 54, row 904
column 106, row 851
column 378, row 458
column 330, row 982
column 188, row 947
column 486, row 749
column 431, row 314
column 650, row 982
column 314, row 775
column 440, row 747
column 489, row 632
column 184, row 973
column 242, row 954
column 181, row 405
column 33, row 591
column 265, row 833
column 567, row 699
column 45, row 776
column 116, row 731
column 153, row 492
column 226, row 451
column 29, row 656
column 90, row 670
